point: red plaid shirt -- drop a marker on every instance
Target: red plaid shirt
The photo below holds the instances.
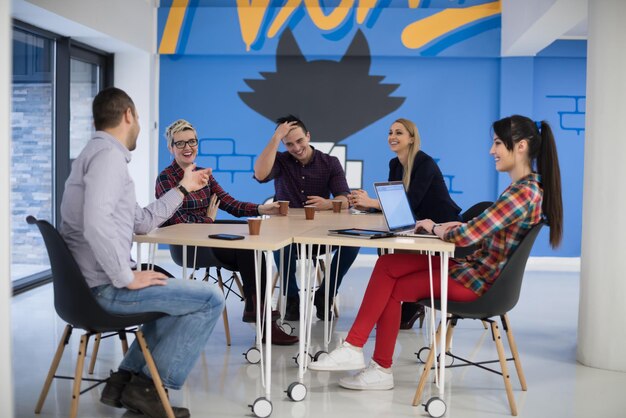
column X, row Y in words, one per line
column 194, row 207
column 498, row 230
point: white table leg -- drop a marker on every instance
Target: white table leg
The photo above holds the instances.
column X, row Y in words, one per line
column 302, row 333
column 327, row 264
column 268, row 323
column 444, row 316
column 184, row 261
column 138, row 256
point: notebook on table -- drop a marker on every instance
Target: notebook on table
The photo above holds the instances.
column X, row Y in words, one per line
column 394, row 203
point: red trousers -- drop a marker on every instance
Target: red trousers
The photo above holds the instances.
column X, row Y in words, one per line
column 397, row 278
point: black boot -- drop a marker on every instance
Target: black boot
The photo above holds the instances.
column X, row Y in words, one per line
column 411, row 311
column 141, row 396
column 292, row 310
column 112, row 392
column 318, row 301
column 249, row 310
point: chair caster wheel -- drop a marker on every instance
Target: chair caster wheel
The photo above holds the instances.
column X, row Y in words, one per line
column 435, row 407
column 296, row 358
column 261, row 407
column 286, row 328
column 296, row 391
column 422, row 352
column 253, row 355
column 320, row 355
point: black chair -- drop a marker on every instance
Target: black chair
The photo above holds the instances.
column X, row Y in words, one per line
column 204, row 257
column 76, row 305
column 471, row 213
column 122, row 333
column 501, row 297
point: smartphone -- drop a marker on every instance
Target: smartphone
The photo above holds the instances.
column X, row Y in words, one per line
column 229, row 237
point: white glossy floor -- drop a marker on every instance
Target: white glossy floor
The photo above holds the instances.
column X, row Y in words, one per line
column 223, row 384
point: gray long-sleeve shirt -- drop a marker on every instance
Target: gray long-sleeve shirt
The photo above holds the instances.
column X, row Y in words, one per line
column 100, row 212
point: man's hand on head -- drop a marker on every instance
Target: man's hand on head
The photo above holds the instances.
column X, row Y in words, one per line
column 283, row 129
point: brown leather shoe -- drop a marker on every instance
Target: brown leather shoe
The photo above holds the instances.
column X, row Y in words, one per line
column 140, row 396
column 279, row 337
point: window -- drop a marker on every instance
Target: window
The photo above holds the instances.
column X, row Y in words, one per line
column 31, row 149
column 54, row 81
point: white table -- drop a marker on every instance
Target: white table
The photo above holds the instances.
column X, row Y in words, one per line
column 278, row 232
column 274, row 236
column 319, row 236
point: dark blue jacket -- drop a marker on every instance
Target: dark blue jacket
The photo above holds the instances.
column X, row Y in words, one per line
column 428, row 193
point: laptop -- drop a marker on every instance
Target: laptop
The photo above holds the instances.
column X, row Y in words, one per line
column 396, row 209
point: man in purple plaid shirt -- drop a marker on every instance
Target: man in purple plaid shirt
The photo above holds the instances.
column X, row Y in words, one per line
column 304, row 176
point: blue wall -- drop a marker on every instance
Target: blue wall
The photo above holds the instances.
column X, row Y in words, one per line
column 453, row 87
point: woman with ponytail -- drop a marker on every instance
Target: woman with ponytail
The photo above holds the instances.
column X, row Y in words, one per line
column 524, row 149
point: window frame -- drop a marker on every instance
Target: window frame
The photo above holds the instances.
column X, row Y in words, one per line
column 63, row 51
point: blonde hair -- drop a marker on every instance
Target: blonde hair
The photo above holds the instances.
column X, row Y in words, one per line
column 178, row 126
column 413, row 149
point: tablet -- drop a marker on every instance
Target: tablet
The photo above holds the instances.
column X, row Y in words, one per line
column 360, row 233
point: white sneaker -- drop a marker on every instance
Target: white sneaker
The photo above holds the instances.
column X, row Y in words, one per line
column 372, row 378
column 344, row 357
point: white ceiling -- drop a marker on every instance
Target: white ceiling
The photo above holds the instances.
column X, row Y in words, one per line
column 528, row 26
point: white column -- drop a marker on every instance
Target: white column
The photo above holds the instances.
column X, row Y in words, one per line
column 602, row 310
column 6, row 386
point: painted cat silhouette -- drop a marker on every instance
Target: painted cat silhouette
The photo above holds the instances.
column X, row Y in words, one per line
column 334, row 99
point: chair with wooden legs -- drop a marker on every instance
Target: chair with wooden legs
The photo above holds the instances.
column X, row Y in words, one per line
column 501, row 297
column 76, row 305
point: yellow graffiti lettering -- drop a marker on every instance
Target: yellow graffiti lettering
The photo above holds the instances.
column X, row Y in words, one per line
column 285, row 13
column 363, row 9
column 251, row 14
column 333, row 19
column 414, row 4
column 419, row 33
column 174, row 22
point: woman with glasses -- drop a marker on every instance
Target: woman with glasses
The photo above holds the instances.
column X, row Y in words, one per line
column 201, row 207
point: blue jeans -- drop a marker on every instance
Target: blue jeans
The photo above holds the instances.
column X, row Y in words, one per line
column 347, row 257
column 176, row 340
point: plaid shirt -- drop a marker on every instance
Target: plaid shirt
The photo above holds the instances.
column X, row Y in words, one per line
column 499, row 230
column 293, row 181
column 196, row 203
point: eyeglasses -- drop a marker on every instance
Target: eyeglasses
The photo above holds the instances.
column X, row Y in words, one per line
column 193, row 142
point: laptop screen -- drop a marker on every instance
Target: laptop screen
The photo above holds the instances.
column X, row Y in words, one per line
column 395, row 205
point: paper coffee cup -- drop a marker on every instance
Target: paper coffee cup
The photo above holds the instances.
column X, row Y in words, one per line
column 309, row 212
column 284, row 207
column 254, row 226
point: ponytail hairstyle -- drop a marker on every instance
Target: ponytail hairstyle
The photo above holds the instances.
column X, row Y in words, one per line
column 543, row 157
column 414, row 148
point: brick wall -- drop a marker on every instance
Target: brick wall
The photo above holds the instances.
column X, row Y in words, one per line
column 31, row 170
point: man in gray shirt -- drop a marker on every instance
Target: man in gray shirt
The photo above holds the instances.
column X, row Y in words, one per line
column 99, row 216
